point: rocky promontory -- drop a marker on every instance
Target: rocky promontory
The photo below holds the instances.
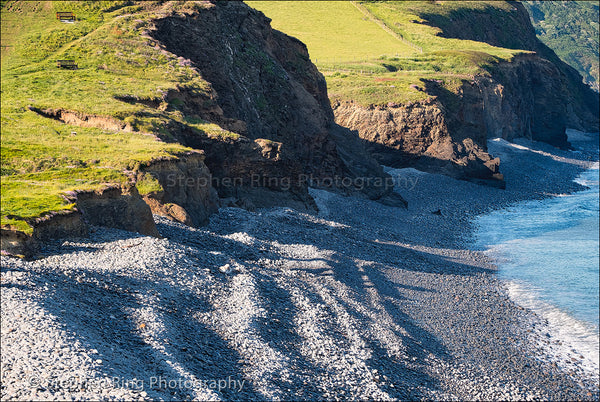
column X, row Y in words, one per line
column 277, row 132
column 266, row 90
column 534, row 95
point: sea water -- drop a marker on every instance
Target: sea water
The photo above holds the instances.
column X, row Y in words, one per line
column 547, row 254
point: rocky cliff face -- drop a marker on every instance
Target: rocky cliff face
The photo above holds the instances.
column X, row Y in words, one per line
column 261, row 77
column 448, row 132
column 513, row 29
column 522, row 98
column 266, row 89
column 250, row 174
column 427, row 135
column 186, row 194
column 526, row 98
column 535, row 96
column 115, row 207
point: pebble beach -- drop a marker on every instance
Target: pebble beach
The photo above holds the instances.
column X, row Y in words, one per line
column 360, row 301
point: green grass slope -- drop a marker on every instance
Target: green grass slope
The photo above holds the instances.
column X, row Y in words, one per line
column 408, row 51
column 42, row 157
column 331, row 38
column 571, row 29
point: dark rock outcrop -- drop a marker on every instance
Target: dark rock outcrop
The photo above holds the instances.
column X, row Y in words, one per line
column 526, row 98
column 435, row 135
column 266, row 89
column 261, row 77
column 257, row 173
column 187, row 194
column 116, row 207
column 248, row 173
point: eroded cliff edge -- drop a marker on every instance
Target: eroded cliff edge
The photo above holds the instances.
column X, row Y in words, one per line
column 277, row 137
column 513, row 30
column 267, row 91
column 534, row 95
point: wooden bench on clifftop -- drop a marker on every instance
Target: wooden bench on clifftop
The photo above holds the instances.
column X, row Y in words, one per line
column 68, row 64
column 65, row 16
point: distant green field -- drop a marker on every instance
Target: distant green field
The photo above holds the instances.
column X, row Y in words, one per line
column 331, row 28
column 373, row 52
column 404, row 17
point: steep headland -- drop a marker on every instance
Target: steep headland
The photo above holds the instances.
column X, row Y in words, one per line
column 532, row 95
column 474, row 70
column 220, row 106
column 264, row 80
column 169, row 78
column 513, row 29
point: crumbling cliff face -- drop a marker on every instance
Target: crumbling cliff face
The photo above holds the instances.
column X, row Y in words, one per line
column 448, row 132
column 56, row 225
column 428, row 136
column 535, row 95
column 119, row 207
column 186, row 193
column 83, row 120
column 115, row 207
column 526, row 98
column 266, row 89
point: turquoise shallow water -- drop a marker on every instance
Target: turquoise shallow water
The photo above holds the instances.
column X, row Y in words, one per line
column 548, row 250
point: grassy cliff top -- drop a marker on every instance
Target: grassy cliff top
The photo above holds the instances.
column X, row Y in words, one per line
column 375, row 52
column 371, row 52
column 117, row 60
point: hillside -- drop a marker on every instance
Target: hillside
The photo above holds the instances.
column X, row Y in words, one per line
column 472, row 70
column 413, row 50
column 176, row 108
column 145, row 125
column 42, row 157
column 570, row 28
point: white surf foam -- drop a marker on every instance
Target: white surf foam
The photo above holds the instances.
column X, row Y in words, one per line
column 569, row 339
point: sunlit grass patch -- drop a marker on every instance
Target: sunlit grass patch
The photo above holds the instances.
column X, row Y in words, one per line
column 42, row 157
column 332, row 30
column 342, row 42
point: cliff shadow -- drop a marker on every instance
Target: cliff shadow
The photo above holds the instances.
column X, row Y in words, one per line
column 341, row 284
column 70, row 244
column 106, row 313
